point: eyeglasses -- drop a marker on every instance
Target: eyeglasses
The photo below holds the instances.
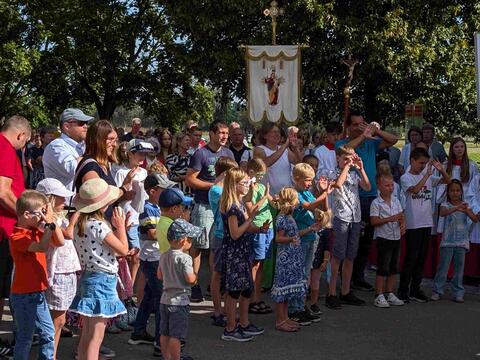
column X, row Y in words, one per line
column 244, row 183
column 78, row 123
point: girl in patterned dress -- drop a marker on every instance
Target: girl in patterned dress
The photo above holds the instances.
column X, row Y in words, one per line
column 237, row 254
column 290, row 280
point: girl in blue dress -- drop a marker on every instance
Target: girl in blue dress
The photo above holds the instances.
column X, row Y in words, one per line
column 290, row 280
column 237, row 254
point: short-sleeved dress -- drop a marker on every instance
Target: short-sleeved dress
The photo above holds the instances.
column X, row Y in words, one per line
column 237, row 255
column 289, row 281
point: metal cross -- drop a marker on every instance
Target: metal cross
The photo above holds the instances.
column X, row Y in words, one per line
column 274, row 11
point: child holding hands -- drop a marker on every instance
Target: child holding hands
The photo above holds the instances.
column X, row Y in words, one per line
column 455, row 241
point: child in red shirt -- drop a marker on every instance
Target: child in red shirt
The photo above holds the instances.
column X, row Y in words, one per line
column 34, row 233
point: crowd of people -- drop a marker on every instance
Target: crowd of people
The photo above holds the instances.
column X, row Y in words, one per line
column 102, row 228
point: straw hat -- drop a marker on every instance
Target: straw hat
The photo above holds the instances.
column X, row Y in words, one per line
column 95, row 194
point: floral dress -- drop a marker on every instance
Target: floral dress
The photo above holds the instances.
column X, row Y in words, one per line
column 289, row 280
column 237, row 255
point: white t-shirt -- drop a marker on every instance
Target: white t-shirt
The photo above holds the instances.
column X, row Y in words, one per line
column 418, row 207
column 383, row 209
column 135, row 206
column 93, row 253
column 280, row 173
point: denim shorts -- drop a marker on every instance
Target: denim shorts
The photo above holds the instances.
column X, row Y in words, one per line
column 202, row 215
column 97, row 296
column 174, row 321
column 133, row 238
column 347, row 236
column 262, row 245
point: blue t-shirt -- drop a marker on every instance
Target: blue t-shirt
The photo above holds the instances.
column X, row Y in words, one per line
column 214, row 195
column 304, row 218
column 367, row 151
column 203, row 161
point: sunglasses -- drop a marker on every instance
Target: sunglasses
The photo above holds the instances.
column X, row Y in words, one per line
column 78, row 123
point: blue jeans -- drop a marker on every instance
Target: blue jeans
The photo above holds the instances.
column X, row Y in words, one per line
column 151, row 299
column 32, row 315
column 447, row 253
column 298, row 304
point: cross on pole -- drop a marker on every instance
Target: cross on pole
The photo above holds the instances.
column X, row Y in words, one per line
column 274, row 11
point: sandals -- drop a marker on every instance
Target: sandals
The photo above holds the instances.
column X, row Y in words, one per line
column 259, row 307
column 285, row 327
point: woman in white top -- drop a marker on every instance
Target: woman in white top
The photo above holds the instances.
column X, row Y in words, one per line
column 278, row 157
column 414, row 136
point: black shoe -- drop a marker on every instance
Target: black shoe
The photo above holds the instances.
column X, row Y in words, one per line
column 6, row 350
column 197, row 296
column 313, row 318
column 403, row 296
column 418, row 296
column 333, row 302
column 361, row 285
column 300, row 318
column 142, row 338
column 315, row 310
column 351, row 299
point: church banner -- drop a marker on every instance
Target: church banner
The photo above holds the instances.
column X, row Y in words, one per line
column 273, row 83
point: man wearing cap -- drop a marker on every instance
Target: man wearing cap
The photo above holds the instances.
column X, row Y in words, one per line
column 435, row 148
column 15, row 133
column 62, row 155
column 135, row 132
column 195, row 134
column 200, row 178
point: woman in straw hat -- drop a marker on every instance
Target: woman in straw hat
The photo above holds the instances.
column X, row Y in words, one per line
column 97, row 245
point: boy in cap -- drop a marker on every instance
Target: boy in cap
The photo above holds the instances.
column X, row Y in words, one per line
column 176, row 271
column 173, row 204
column 154, row 184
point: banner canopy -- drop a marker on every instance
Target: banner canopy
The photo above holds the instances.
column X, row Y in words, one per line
column 273, row 83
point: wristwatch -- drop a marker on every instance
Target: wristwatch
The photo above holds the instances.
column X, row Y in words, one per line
column 50, row 226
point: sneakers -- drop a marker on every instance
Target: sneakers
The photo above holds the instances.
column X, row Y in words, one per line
column 315, row 310
column 459, row 299
column 122, row 323
column 157, row 351
column 141, row 338
column 300, row 318
column 361, row 285
column 236, row 335
column 333, row 302
column 394, row 301
column 106, row 352
column 219, row 320
column 312, row 317
column 6, row 350
column 403, row 296
column 113, row 329
column 418, row 296
column 251, row 329
column 381, row 302
column 435, row 296
column 197, row 296
column 351, row 299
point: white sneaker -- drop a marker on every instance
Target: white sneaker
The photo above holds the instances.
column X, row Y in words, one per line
column 394, row 301
column 435, row 296
column 381, row 302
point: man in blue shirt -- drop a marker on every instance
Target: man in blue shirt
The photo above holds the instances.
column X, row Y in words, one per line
column 366, row 139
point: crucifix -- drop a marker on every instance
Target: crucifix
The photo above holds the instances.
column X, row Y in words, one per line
column 350, row 64
column 274, row 11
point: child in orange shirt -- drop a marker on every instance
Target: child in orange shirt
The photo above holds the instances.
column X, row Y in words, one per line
column 30, row 240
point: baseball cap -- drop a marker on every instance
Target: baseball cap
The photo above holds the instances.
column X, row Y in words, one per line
column 172, row 197
column 156, row 179
column 137, row 145
column 74, row 114
column 52, row 186
column 181, row 228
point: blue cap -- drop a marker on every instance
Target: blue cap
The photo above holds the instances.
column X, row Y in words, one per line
column 74, row 114
column 181, row 228
column 172, row 197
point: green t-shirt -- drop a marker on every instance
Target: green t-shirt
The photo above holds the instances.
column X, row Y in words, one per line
column 162, row 228
column 264, row 214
